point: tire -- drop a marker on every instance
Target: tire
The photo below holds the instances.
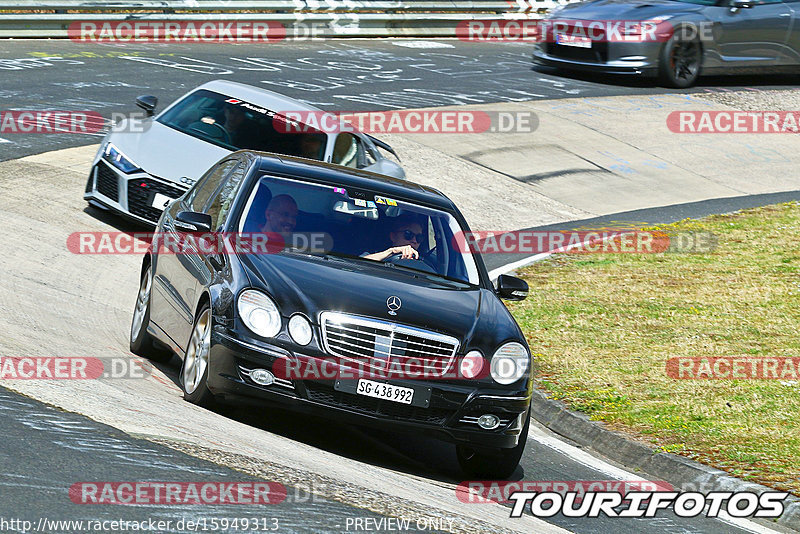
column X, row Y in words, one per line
column 141, row 342
column 680, row 61
column 493, row 464
column 194, row 371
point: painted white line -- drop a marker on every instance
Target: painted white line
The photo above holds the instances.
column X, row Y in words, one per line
column 4, row 140
column 494, row 273
column 593, row 462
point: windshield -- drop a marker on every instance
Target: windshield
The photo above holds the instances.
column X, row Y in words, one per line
column 235, row 124
column 359, row 226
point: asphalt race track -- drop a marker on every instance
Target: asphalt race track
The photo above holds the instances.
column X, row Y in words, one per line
column 53, row 302
column 346, row 75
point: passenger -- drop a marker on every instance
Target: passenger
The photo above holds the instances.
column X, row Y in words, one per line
column 280, row 215
column 405, row 237
column 311, row 146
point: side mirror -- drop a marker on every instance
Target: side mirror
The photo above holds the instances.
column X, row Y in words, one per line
column 511, row 287
column 191, row 221
column 736, row 5
column 147, row 103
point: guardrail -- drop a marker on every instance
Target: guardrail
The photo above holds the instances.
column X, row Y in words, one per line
column 330, row 18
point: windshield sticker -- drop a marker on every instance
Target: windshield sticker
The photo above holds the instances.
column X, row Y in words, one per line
column 360, row 202
column 339, row 190
column 384, row 200
column 251, row 107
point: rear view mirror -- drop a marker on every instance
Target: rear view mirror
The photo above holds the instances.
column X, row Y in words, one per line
column 147, row 103
column 351, row 208
column 511, row 287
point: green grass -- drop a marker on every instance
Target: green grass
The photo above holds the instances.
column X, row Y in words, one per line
column 603, row 326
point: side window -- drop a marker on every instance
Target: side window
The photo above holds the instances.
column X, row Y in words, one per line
column 348, row 151
column 208, row 185
column 221, row 204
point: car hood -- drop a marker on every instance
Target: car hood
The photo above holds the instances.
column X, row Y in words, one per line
column 313, row 285
column 164, row 152
column 623, row 10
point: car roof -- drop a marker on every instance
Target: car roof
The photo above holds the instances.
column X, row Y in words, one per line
column 338, row 175
column 255, row 95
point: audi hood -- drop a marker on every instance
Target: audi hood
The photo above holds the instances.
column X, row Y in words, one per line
column 164, row 152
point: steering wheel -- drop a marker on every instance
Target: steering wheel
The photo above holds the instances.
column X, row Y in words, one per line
column 200, row 126
column 420, row 265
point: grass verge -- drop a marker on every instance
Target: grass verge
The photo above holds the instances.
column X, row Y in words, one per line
column 603, row 326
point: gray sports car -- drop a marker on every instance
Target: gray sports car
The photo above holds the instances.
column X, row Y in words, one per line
column 677, row 40
column 142, row 165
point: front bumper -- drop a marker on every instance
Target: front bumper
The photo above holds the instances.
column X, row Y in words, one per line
column 450, row 416
column 131, row 195
column 605, row 57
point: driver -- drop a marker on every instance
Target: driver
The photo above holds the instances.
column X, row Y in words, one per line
column 235, row 119
column 406, row 236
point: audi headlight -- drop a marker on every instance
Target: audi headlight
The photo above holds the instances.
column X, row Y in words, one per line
column 509, row 363
column 116, row 158
column 259, row 313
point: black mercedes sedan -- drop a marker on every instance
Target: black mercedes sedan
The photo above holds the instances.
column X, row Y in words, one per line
column 364, row 303
column 676, row 40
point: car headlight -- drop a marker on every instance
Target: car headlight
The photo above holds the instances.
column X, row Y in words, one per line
column 300, row 330
column 259, row 313
column 509, row 363
column 116, row 158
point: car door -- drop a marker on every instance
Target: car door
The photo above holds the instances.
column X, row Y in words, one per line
column 791, row 53
column 753, row 36
column 177, row 267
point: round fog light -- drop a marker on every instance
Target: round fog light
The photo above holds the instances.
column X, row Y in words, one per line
column 300, row 330
column 262, row 377
column 488, row 421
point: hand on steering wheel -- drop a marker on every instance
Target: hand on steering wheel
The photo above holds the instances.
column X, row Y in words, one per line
column 406, row 252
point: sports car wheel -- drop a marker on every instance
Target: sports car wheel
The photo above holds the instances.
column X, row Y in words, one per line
column 194, row 373
column 141, row 343
column 680, row 61
column 493, row 464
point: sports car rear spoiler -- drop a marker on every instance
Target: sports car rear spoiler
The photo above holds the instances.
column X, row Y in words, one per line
column 383, row 145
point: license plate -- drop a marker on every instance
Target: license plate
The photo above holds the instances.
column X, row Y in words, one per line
column 572, row 40
column 160, row 201
column 389, row 392
column 420, row 396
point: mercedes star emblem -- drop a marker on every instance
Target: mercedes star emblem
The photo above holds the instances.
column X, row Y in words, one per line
column 394, row 304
